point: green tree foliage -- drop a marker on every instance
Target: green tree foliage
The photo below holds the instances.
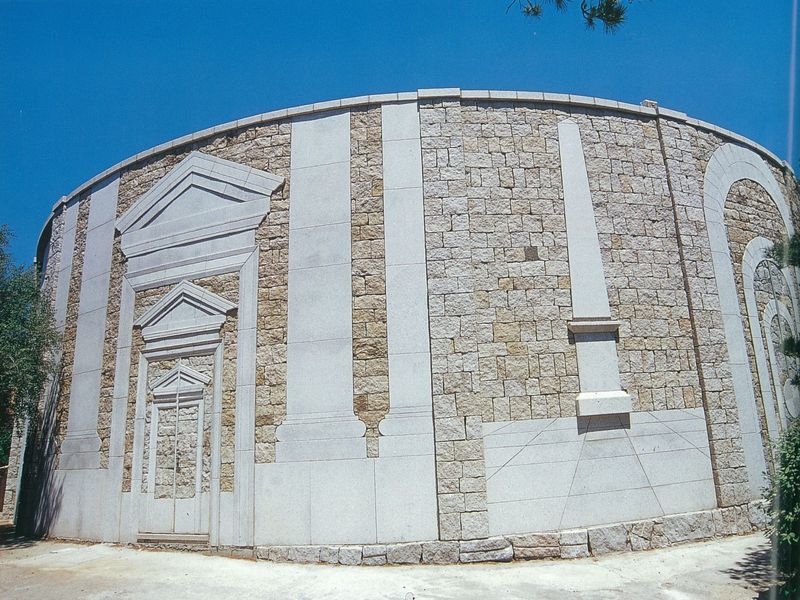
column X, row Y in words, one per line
column 784, row 499
column 27, row 340
column 783, row 494
column 611, row 13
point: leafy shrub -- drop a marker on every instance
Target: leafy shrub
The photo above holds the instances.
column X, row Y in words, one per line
column 784, row 498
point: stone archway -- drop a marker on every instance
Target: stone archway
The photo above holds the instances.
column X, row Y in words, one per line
column 729, row 164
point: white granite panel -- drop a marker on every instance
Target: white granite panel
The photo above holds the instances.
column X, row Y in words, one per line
column 65, row 265
column 91, row 328
column 589, row 298
column 400, row 121
column 410, row 380
column 320, row 140
column 283, row 501
column 317, row 193
column 404, row 226
column 405, row 489
column 320, row 246
column 320, row 304
column 407, row 309
column 610, row 507
column 347, row 513
column 405, row 159
column 598, row 470
column 319, row 387
column 332, row 378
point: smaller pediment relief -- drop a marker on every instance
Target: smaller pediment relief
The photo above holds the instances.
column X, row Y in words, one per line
column 180, row 384
column 185, row 313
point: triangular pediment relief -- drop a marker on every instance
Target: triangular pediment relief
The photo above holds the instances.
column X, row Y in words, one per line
column 202, row 199
column 181, row 383
column 199, row 183
column 187, row 310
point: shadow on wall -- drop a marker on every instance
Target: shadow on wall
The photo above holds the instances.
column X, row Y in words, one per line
column 39, row 498
column 603, row 423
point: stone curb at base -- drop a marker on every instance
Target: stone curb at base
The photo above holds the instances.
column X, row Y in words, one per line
column 647, row 534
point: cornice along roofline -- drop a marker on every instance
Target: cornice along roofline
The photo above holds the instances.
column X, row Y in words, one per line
column 421, row 94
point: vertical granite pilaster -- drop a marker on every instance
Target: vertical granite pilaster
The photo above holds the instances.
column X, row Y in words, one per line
column 592, row 327
column 81, row 445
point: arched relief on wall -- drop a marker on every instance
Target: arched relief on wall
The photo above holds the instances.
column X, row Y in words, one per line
column 727, row 165
column 754, row 257
column 198, row 221
column 785, row 391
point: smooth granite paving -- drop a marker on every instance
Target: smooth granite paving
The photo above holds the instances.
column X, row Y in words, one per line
column 725, row 569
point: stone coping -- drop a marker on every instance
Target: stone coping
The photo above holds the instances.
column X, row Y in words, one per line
column 629, row 536
column 423, row 94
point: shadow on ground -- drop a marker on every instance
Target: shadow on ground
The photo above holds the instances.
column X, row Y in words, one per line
column 11, row 540
column 757, row 571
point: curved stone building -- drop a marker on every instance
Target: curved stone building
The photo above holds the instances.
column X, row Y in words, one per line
column 441, row 325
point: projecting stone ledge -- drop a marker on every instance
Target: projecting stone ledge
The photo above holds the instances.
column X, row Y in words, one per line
column 590, row 404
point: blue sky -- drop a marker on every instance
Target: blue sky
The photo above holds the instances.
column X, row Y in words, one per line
column 86, row 84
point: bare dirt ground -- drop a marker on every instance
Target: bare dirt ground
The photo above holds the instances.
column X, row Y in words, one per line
column 727, row 569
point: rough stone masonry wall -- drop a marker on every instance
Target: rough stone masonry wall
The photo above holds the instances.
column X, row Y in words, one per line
column 687, row 152
column 70, row 331
column 53, row 262
column 156, row 369
column 457, row 409
column 517, row 239
column 370, row 344
column 636, row 229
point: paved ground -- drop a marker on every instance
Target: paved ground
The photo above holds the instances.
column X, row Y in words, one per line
column 729, row 569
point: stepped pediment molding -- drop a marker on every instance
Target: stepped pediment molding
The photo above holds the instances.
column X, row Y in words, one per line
column 188, row 314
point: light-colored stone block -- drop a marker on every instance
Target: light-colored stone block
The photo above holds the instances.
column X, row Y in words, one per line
column 320, row 376
column 531, row 481
column 404, row 554
column 610, row 507
column 405, row 490
column 320, row 303
column 320, row 246
column 405, row 159
column 320, row 139
column 686, row 496
column 525, row 515
column 404, row 226
column 406, row 316
column 603, row 540
column 676, row 466
column 439, row 553
column 400, row 121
